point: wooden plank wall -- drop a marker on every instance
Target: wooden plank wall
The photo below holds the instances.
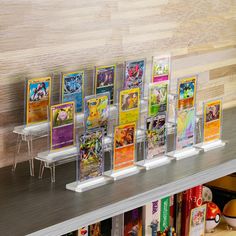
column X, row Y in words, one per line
column 39, row 37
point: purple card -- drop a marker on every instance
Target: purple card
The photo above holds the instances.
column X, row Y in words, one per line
column 62, row 125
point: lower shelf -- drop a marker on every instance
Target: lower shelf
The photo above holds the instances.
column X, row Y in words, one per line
column 222, row 229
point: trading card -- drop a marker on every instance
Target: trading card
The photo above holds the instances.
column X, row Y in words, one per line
column 95, row 229
column 156, row 135
column 160, row 69
column 186, row 92
column 129, row 105
column 73, row 89
column 152, row 218
column 133, row 222
column 158, row 96
column 38, row 100
column 134, row 74
column 197, row 221
column 105, row 79
column 185, row 128
column 212, row 120
column 124, row 146
column 96, row 112
column 62, row 125
column 91, row 155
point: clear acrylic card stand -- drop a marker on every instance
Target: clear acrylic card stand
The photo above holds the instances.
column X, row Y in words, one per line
column 37, row 93
column 155, row 147
column 124, row 156
column 185, row 135
column 185, row 132
column 156, row 125
column 61, row 138
column 90, row 163
column 211, row 125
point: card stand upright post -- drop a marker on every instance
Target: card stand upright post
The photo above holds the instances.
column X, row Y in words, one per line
column 89, row 176
column 210, row 126
column 155, row 159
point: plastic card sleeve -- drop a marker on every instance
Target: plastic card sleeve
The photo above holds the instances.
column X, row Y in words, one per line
column 186, row 91
column 62, row 127
column 97, row 112
column 72, row 88
column 90, row 162
column 134, row 75
column 37, row 100
column 185, row 134
column 161, row 68
column 158, row 98
column 129, row 106
column 104, row 80
column 124, row 151
column 155, row 144
column 211, row 125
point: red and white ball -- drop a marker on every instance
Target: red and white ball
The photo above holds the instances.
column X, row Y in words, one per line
column 213, row 216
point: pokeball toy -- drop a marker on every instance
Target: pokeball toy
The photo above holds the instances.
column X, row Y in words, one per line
column 213, row 215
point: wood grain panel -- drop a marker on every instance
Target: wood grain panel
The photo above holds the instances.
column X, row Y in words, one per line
column 222, row 72
column 41, row 37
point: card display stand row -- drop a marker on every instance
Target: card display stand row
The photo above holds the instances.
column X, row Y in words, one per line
column 51, row 160
column 37, row 131
column 134, row 131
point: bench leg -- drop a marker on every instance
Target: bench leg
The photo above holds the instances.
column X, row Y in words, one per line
column 53, row 173
column 31, row 160
column 41, row 169
column 18, row 146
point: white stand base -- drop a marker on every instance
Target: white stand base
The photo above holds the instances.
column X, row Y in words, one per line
column 57, row 155
column 88, row 184
column 211, row 145
column 155, row 162
column 120, row 174
column 184, row 153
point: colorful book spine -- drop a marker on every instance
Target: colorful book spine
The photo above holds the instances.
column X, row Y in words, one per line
column 186, row 209
column 152, row 218
column 172, row 210
column 196, row 200
column 165, row 213
column 178, row 212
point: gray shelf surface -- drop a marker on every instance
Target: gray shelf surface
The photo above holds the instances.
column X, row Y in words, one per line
column 32, row 206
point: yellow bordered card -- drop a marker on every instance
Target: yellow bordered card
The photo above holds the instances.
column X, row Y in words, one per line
column 129, row 105
column 38, row 100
